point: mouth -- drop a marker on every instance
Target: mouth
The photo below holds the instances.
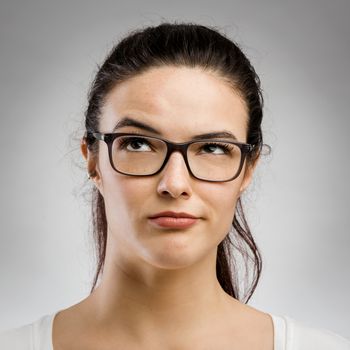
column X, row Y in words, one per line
column 172, row 219
column 173, row 222
column 173, row 214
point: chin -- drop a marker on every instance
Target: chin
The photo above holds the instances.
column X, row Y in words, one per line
column 176, row 259
column 176, row 254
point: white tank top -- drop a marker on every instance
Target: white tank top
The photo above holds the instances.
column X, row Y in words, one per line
column 288, row 335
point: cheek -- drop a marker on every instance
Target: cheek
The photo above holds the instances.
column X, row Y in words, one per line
column 222, row 199
column 117, row 189
column 123, row 197
column 127, row 204
column 224, row 196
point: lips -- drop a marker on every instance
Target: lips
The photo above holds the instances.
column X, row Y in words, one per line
column 173, row 214
column 170, row 219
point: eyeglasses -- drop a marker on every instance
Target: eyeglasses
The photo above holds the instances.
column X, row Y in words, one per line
column 140, row 155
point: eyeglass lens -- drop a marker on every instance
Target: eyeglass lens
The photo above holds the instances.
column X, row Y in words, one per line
column 213, row 161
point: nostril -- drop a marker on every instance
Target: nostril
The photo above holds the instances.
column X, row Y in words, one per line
column 174, row 193
column 174, row 181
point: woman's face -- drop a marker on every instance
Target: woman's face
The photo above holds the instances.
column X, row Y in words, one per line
column 178, row 102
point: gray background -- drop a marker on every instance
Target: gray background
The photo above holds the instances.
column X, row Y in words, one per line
column 298, row 202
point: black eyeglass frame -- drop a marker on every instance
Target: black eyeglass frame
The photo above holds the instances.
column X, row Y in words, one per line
column 182, row 147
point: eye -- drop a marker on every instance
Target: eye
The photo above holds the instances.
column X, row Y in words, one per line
column 225, row 148
column 133, row 144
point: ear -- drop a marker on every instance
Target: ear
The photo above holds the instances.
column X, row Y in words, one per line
column 248, row 174
column 92, row 165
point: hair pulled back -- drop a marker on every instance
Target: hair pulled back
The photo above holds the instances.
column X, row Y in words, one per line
column 190, row 45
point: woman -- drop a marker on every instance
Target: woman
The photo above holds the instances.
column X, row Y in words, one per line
column 173, row 135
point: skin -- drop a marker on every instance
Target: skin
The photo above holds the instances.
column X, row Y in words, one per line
column 159, row 288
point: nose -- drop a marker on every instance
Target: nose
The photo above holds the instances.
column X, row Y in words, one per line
column 175, row 178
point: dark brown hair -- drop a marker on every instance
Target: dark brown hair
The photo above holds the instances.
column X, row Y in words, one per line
column 191, row 45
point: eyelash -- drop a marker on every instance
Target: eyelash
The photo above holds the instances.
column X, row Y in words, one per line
column 226, row 147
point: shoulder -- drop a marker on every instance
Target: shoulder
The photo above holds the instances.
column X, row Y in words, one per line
column 20, row 338
column 31, row 336
column 299, row 336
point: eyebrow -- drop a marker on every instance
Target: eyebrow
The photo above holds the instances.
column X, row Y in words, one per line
column 127, row 121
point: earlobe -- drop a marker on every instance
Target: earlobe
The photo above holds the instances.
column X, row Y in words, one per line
column 245, row 183
column 92, row 166
column 248, row 176
column 83, row 148
column 94, row 176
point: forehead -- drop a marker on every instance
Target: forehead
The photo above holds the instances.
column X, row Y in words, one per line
column 177, row 101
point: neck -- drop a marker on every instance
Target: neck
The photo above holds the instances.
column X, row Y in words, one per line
column 146, row 298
